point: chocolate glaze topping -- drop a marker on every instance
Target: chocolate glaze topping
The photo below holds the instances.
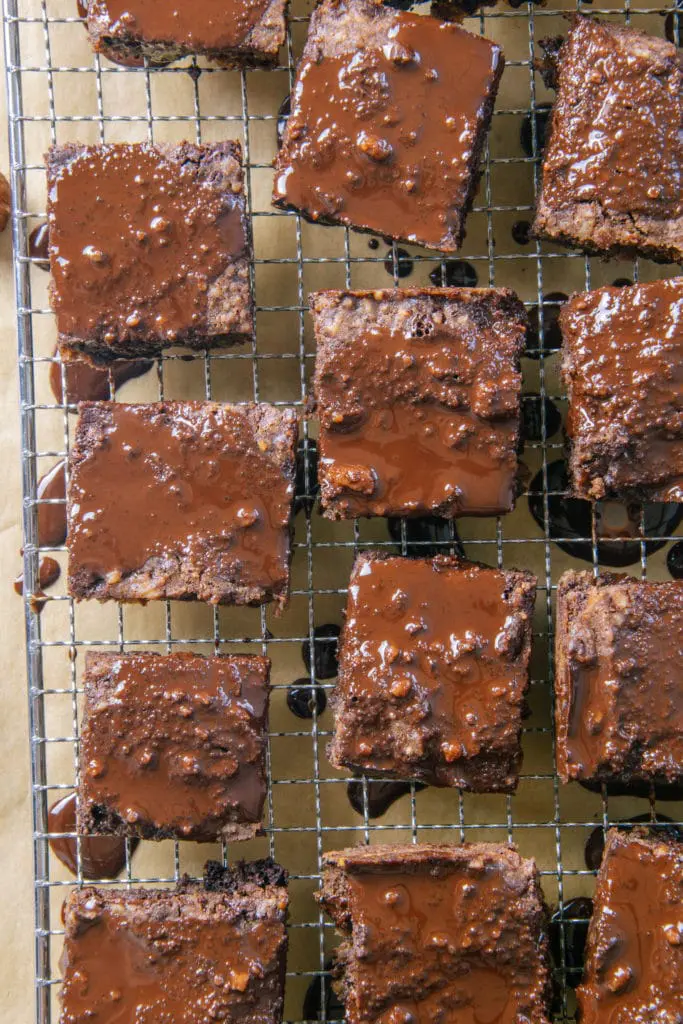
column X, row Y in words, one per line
column 388, row 115
column 143, row 242
column 619, row 689
column 433, row 671
column 209, row 25
column 623, row 366
column 613, row 165
column 618, row 140
column 189, row 497
column 101, row 856
column 172, row 955
column 634, row 953
column 418, row 398
column 174, row 745
column 434, row 941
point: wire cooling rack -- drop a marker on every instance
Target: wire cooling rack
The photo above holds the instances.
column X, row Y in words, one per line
column 58, row 91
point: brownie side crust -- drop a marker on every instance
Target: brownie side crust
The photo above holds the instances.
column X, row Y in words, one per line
column 199, row 951
column 173, row 746
column 623, row 369
column 611, row 179
column 389, row 116
column 618, row 679
column 433, row 672
column 448, row 930
column 236, row 33
column 181, row 500
column 634, row 951
column 418, row 394
column 149, row 247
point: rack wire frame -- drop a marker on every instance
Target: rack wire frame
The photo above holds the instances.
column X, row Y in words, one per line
column 30, row 362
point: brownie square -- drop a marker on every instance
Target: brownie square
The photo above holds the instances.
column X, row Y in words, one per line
column 181, row 500
column 234, row 33
column 148, row 247
column 439, row 933
column 199, row 952
column 619, row 679
column 433, row 672
column 623, row 368
column 173, row 746
column 611, row 180
column 634, row 952
column 418, row 395
column 389, row 115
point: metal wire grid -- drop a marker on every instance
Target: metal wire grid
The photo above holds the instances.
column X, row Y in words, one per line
column 71, row 644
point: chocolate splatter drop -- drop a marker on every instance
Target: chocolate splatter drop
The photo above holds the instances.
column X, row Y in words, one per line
column 302, row 698
column 573, row 919
column 548, row 316
column 570, row 519
column 426, row 536
column 404, row 263
column 454, row 274
column 532, row 425
column 325, row 656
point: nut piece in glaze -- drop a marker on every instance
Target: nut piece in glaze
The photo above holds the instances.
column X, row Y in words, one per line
column 181, row 500
column 611, row 180
column 623, row 368
column 389, row 115
column 619, row 679
column 212, row 951
column 436, row 933
column 148, row 247
column 634, row 951
column 433, row 672
column 418, row 395
column 234, row 33
column 173, row 746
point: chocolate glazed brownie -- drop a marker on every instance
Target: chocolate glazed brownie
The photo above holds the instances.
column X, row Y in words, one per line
column 181, row 500
column 418, row 394
column 433, row 672
column 149, row 247
column 619, row 679
column 622, row 362
column 173, row 746
column 234, row 33
column 211, row 951
column 390, row 111
column 438, row 933
column 613, row 166
column 634, row 953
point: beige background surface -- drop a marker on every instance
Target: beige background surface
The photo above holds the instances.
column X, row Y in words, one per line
column 16, row 856
column 297, row 755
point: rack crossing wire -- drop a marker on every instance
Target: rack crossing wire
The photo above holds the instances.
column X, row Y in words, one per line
column 58, row 91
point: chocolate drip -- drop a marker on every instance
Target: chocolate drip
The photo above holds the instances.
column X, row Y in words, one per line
column 101, row 856
column 381, row 795
column 86, row 382
column 38, row 245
